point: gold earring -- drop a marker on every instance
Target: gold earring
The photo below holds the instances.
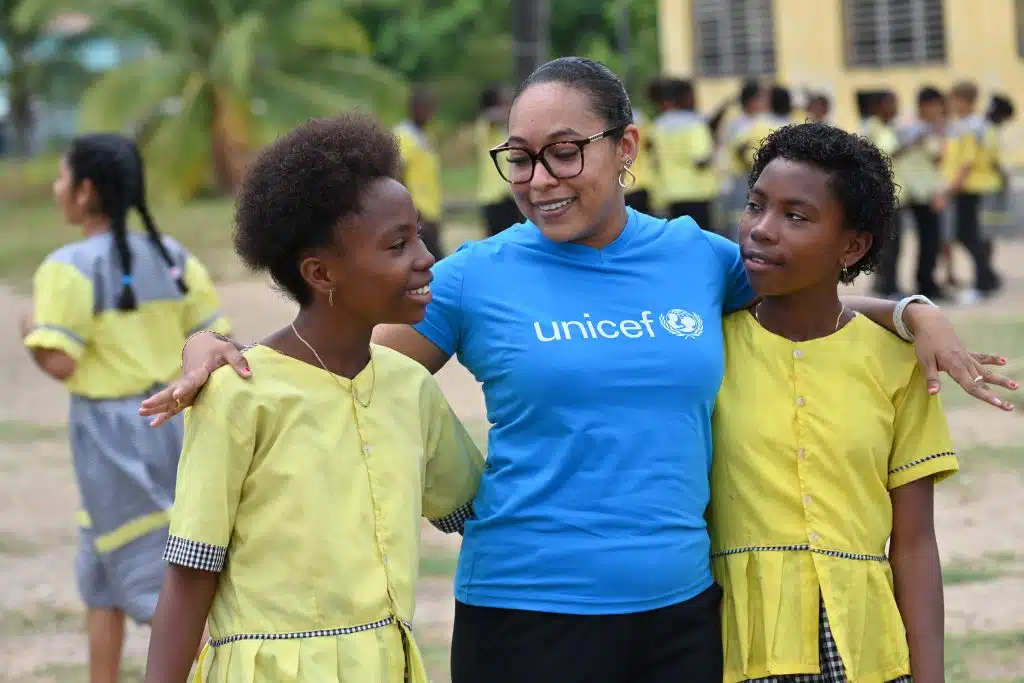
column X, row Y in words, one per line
column 627, row 179
column 330, row 298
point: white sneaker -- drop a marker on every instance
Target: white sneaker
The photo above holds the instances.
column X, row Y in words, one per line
column 968, row 297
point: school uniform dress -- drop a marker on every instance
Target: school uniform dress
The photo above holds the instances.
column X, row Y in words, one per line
column 304, row 490
column 810, row 440
column 125, row 470
column 919, row 174
column 422, row 177
column 493, row 193
column 682, row 139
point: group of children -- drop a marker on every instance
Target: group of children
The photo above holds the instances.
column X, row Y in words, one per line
column 946, row 158
column 296, row 500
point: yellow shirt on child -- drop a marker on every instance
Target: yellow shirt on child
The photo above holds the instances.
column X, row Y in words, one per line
column 422, row 171
column 308, row 504
column 810, row 438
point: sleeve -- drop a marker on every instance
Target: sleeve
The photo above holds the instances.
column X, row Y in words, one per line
column 737, row 292
column 453, row 461
column 202, row 307
column 922, row 445
column 215, row 457
column 444, row 320
column 62, row 303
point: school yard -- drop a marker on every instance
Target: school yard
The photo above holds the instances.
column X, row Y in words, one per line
column 980, row 518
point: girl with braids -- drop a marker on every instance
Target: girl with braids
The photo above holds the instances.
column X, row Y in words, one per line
column 110, row 312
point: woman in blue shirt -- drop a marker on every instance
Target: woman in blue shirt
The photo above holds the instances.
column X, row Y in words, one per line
column 596, row 333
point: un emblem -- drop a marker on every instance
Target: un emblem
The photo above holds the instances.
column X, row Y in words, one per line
column 682, row 323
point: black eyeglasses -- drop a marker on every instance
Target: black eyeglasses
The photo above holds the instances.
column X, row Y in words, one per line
column 563, row 159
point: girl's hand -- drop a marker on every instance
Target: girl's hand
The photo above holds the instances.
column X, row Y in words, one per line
column 202, row 354
column 939, row 349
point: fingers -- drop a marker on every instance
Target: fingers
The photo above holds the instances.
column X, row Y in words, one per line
column 974, row 379
column 158, row 401
column 931, row 375
column 988, row 359
column 237, row 361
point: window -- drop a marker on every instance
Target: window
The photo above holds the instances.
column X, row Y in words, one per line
column 890, row 32
column 733, row 37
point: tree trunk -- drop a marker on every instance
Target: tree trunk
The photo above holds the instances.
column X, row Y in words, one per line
column 229, row 142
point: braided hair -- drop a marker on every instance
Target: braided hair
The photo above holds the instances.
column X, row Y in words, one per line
column 113, row 164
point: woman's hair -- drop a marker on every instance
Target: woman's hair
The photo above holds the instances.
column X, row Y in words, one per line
column 607, row 95
column 113, row 164
column 302, row 186
column 860, row 177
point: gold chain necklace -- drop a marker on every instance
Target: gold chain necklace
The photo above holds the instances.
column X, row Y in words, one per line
column 355, row 394
column 757, row 309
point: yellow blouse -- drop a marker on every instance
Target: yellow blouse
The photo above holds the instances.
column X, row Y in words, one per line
column 809, row 439
column 308, row 504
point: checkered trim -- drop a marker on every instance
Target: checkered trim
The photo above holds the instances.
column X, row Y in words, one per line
column 319, row 633
column 915, row 463
column 193, row 554
column 456, row 521
column 798, row 548
column 829, row 661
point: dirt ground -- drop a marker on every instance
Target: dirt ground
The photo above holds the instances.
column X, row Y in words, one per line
column 980, row 519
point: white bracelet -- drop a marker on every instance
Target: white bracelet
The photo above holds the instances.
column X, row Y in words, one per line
column 897, row 315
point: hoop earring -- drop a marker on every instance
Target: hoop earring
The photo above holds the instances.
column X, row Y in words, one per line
column 330, row 298
column 627, row 179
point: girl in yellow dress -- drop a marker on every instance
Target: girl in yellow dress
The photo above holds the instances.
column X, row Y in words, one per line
column 108, row 314
column 296, row 525
column 827, row 439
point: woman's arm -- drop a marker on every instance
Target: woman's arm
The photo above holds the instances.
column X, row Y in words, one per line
column 917, row 578
column 939, row 348
column 178, row 623
column 408, row 342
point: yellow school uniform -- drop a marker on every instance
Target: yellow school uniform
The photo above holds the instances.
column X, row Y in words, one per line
column 918, row 167
column 643, row 166
column 885, row 138
column 422, row 170
column 810, row 438
column 315, row 502
column 681, row 140
column 749, row 140
column 491, row 187
column 120, row 353
column 973, row 142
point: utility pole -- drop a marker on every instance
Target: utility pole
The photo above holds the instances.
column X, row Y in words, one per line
column 530, row 35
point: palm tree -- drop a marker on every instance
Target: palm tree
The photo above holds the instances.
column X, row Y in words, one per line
column 216, row 78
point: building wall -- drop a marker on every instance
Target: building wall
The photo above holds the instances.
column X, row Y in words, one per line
column 981, row 43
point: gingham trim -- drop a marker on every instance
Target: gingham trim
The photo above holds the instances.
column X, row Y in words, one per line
column 829, row 661
column 456, row 521
column 203, row 556
column 798, row 548
column 319, row 633
column 917, row 462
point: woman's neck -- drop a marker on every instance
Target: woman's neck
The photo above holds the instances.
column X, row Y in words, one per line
column 609, row 232
column 801, row 316
column 343, row 349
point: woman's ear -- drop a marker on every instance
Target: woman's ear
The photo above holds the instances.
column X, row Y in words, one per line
column 629, row 145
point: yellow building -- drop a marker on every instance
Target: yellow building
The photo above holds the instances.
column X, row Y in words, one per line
column 842, row 47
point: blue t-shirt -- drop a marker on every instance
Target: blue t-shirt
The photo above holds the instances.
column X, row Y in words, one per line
column 600, row 369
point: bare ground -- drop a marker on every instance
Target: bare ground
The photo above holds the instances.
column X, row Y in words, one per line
column 979, row 515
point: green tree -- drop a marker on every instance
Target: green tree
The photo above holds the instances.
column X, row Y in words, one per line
column 217, row 78
column 35, row 63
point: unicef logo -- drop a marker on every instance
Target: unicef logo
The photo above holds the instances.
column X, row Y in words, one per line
column 682, row 323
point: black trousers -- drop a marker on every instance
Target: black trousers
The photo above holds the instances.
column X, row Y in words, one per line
column 968, row 233
column 501, row 215
column 682, row 642
column 432, row 238
column 926, row 220
column 700, row 212
column 640, row 201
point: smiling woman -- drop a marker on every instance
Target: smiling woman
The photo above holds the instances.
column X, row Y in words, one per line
column 596, row 332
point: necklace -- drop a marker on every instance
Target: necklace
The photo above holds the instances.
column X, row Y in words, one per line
column 355, row 394
column 757, row 317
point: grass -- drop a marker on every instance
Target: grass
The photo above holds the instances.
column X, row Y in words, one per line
column 988, row 657
column 39, row 618
column 131, row 672
column 990, row 566
column 1004, row 337
column 19, row 433
column 13, row 545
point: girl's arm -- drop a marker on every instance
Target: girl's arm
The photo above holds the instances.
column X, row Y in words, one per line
column 178, row 623
column 917, row 576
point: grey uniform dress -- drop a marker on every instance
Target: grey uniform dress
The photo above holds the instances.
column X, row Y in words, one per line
column 125, row 470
